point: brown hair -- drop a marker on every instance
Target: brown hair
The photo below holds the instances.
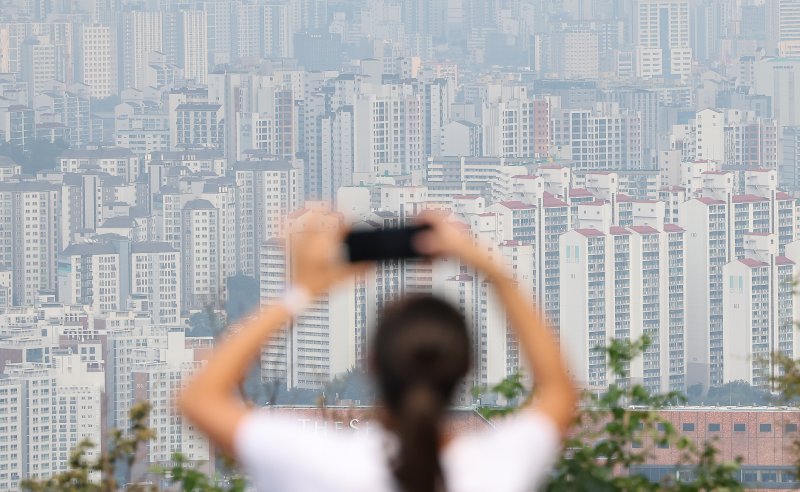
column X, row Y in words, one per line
column 420, row 353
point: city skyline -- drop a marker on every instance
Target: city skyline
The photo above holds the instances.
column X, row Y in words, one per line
column 634, row 163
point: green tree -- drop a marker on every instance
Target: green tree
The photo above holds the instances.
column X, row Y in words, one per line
column 206, row 323
column 618, row 430
column 732, row 393
column 41, row 155
column 44, row 155
column 243, row 297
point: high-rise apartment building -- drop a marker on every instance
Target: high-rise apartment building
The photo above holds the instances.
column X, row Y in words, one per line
column 661, row 35
column 604, row 138
column 90, row 274
column 199, row 125
column 267, row 192
column 38, row 64
column 783, row 27
column 706, row 224
column 759, row 310
column 624, row 283
column 514, row 123
column 115, row 161
column 321, row 342
column 202, row 277
column 192, row 34
column 95, row 59
column 157, row 380
column 29, row 242
column 140, row 35
column 389, row 124
column 155, row 275
column 777, row 78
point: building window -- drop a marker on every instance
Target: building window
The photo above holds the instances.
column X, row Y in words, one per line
column 739, row 427
column 713, row 427
column 688, row 427
column 765, row 427
column 790, row 428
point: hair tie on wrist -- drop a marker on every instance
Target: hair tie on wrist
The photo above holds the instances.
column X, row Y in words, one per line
column 296, row 299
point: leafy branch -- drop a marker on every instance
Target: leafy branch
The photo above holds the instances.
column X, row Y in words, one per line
column 620, row 429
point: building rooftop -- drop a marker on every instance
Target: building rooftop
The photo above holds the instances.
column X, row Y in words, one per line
column 752, row 263
column 710, row 201
column 517, row 205
column 123, row 221
column 589, row 232
column 152, row 247
column 199, row 204
column 550, row 200
column 579, row 192
column 88, row 249
column 644, row 229
column 748, row 198
column 673, row 228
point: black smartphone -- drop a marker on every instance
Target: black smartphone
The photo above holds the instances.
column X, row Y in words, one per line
column 383, row 244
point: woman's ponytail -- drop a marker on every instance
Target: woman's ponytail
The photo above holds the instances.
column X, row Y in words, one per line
column 418, row 468
column 420, row 353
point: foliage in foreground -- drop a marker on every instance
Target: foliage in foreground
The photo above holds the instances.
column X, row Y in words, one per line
column 597, row 457
column 787, row 384
column 620, row 429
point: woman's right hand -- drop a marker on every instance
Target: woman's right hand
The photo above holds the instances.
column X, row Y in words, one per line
column 317, row 262
column 446, row 239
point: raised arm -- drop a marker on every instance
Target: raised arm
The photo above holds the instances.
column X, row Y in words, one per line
column 554, row 392
column 210, row 399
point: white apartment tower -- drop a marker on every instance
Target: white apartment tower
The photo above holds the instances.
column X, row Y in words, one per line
column 202, row 279
column 37, row 439
column 624, row 283
column 661, row 34
column 760, row 310
column 156, row 275
column 157, row 379
column 320, row 343
column 95, row 60
column 511, row 122
column 496, row 353
column 783, row 27
column 12, row 454
column 38, row 64
column 267, row 191
column 140, row 35
column 777, row 78
column 389, row 126
column 89, row 274
column 29, row 237
column 604, row 138
column 193, row 45
column 708, row 247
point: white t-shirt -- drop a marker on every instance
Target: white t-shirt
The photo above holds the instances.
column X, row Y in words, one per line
column 280, row 455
